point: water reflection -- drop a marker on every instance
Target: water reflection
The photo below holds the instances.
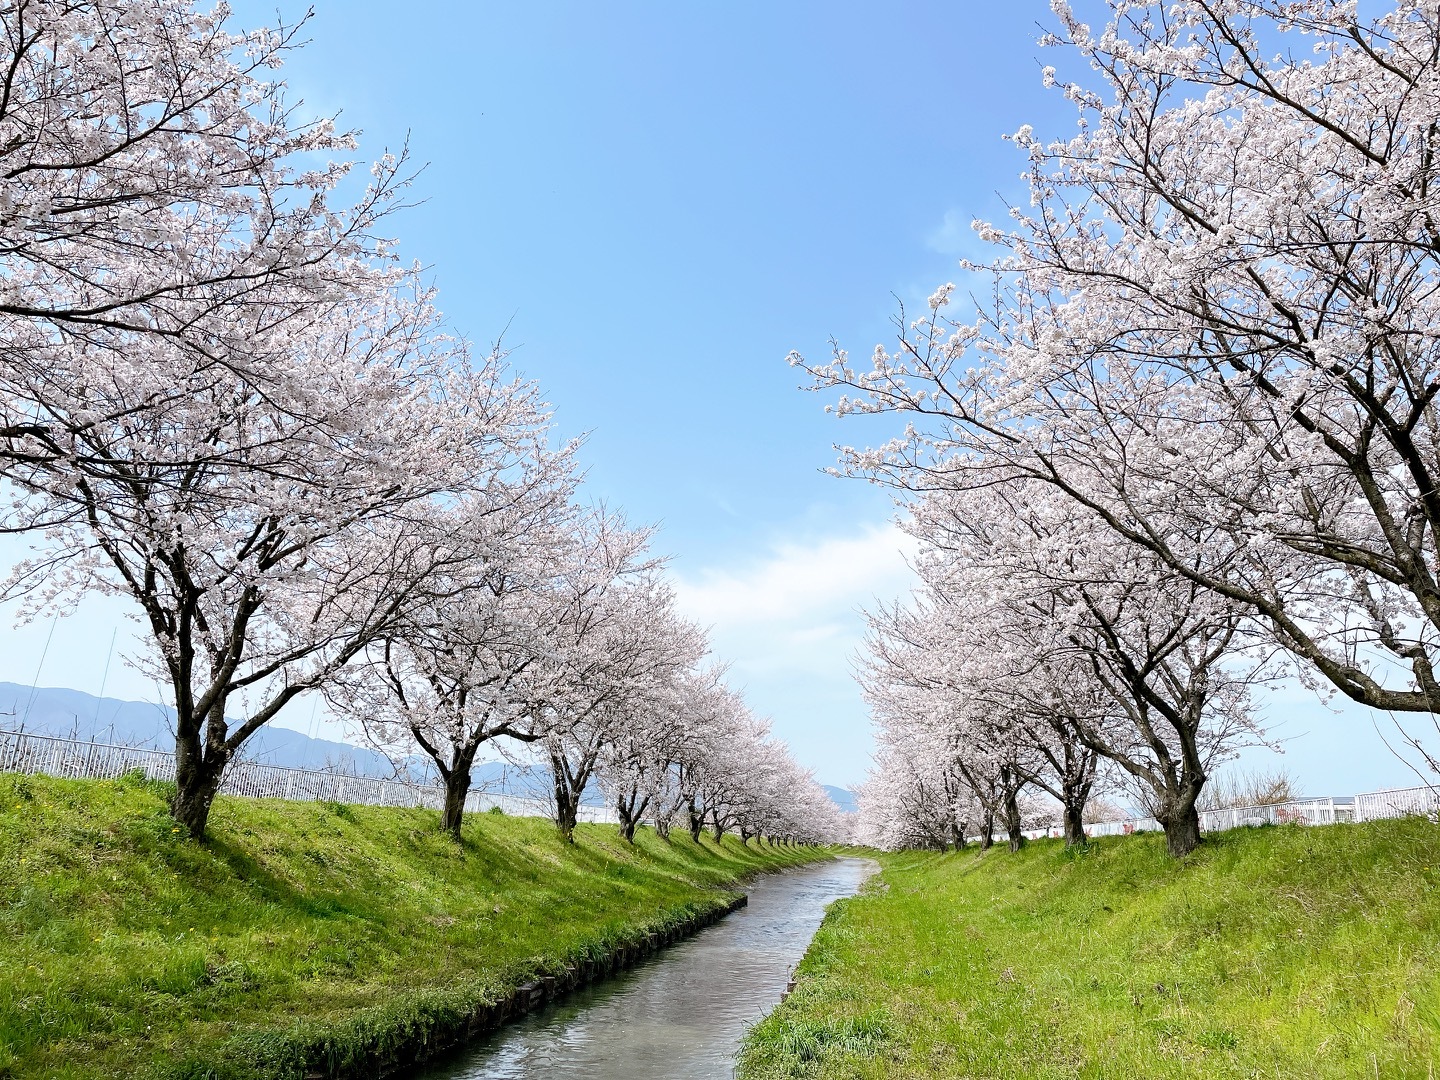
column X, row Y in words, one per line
column 682, row 1013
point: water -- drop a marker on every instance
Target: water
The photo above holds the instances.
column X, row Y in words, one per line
column 680, row 1014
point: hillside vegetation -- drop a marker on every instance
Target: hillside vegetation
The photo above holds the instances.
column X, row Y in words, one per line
column 128, row 950
column 1274, row 952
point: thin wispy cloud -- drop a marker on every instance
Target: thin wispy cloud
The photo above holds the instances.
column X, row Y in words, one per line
column 788, row 619
column 798, row 586
column 953, row 236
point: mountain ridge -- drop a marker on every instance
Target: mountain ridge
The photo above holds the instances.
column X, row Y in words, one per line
column 73, row 714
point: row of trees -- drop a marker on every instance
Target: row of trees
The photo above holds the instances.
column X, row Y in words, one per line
column 571, row 649
column 1188, row 429
column 223, row 398
column 1041, row 655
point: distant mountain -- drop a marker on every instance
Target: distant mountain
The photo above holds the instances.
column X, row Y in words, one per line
column 72, row 714
column 75, row 715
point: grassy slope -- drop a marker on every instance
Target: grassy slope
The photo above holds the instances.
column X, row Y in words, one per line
column 123, row 946
column 1276, row 952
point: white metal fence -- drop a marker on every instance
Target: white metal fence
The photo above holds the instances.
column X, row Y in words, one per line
column 24, row 752
column 1395, row 803
column 1304, row 812
column 1112, row 828
column 1398, row 802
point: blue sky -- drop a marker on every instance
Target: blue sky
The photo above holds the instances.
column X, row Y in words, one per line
column 661, row 200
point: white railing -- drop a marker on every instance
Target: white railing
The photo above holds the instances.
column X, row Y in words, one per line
column 24, row 752
column 1116, row 828
column 1398, row 802
column 1371, row 806
column 1305, row 812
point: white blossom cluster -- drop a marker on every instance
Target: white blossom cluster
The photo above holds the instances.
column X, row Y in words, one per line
column 1193, row 398
column 222, row 398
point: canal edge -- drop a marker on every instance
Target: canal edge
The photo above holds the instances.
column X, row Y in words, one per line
column 424, row 1048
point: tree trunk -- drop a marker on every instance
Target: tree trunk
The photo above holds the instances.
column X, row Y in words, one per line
column 1075, row 826
column 987, row 831
column 957, row 835
column 1182, row 827
column 567, row 809
column 627, row 822
column 697, row 822
column 457, row 786
column 716, row 829
column 565, row 818
column 1012, row 820
column 198, row 772
column 1078, row 779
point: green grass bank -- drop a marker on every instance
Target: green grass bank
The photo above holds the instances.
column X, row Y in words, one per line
column 300, row 932
column 1274, row 952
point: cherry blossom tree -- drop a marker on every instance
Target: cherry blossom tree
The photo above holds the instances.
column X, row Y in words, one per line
column 906, row 802
column 951, row 677
column 157, row 185
column 1037, row 646
column 714, row 776
column 703, row 757
column 714, row 716
column 265, row 545
column 1220, row 307
column 639, row 769
column 454, row 673
column 617, row 652
column 796, row 809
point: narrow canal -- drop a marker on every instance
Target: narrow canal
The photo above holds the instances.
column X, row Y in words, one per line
column 680, row 1015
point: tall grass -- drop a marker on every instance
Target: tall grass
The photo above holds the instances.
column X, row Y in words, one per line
column 1281, row 952
column 127, row 950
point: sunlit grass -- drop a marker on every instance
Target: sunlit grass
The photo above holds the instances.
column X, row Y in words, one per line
column 125, row 948
column 1277, row 952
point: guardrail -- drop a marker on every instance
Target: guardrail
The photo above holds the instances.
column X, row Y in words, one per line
column 25, row 752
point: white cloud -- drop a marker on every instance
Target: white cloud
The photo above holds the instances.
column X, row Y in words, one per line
column 801, row 586
column 952, row 236
column 789, row 623
column 956, row 236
